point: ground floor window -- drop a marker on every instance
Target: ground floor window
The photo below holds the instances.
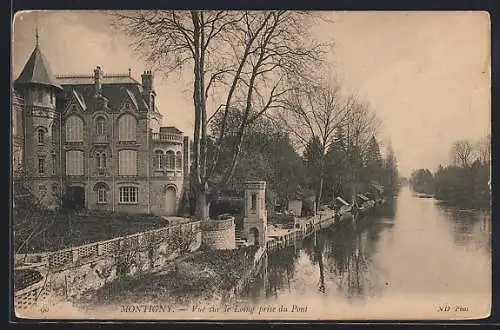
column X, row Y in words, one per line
column 101, row 196
column 128, row 195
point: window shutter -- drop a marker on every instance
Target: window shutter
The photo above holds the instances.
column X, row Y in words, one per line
column 127, row 162
column 127, row 128
column 74, row 162
column 74, row 129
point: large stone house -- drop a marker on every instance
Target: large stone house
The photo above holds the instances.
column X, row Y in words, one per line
column 97, row 138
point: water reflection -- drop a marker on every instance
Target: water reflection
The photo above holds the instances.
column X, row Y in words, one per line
column 470, row 228
column 399, row 250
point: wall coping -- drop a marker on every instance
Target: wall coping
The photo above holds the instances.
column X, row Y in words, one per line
column 72, row 249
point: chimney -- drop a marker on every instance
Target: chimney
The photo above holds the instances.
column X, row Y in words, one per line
column 98, row 75
column 147, row 81
column 147, row 87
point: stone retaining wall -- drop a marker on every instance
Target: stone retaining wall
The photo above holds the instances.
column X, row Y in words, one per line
column 218, row 234
column 73, row 272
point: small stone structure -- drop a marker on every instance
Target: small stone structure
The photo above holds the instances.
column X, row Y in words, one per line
column 218, row 234
column 255, row 221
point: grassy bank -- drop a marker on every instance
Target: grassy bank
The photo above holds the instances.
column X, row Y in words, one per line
column 198, row 277
column 49, row 231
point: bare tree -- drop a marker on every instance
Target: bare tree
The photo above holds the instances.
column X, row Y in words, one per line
column 362, row 125
column 462, row 152
column 241, row 59
column 315, row 111
column 483, row 150
column 30, row 216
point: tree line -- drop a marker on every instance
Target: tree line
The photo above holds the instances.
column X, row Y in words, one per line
column 465, row 181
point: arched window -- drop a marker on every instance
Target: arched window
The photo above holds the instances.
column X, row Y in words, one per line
column 170, row 156
column 101, row 195
column 127, row 128
column 74, row 129
column 178, row 160
column 100, row 126
column 41, row 135
column 159, row 160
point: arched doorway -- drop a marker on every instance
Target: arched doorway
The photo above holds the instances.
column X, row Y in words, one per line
column 75, row 198
column 170, row 200
column 254, row 236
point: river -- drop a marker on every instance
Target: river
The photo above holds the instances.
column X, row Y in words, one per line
column 414, row 259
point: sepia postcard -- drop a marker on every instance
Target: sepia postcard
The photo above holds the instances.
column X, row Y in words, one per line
column 251, row 165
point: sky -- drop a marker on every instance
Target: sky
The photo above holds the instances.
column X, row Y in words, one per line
column 425, row 74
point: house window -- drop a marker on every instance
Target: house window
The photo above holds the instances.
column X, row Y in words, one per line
column 101, row 195
column 74, row 129
column 101, row 160
column 170, row 159
column 128, row 195
column 39, row 96
column 127, row 128
column 41, row 135
column 127, row 160
column 100, row 126
column 159, row 160
column 74, row 162
column 127, row 105
column 254, row 202
column 51, row 97
column 54, row 189
column 41, row 165
column 178, row 160
column 53, row 164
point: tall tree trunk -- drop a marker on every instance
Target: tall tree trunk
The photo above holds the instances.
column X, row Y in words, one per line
column 202, row 205
column 321, row 182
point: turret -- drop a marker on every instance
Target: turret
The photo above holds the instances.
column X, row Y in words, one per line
column 37, row 87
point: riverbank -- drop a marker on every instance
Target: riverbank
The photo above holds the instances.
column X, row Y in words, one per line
column 198, row 277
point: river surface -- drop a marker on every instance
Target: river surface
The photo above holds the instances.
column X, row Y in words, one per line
column 414, row 259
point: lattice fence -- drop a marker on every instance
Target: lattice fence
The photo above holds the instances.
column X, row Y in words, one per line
column 26, row 298
column 69, row 256
column 60, row 258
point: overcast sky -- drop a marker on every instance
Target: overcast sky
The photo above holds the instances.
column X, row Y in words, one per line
column 426, row 75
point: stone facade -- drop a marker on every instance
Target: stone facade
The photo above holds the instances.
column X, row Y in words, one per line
column 218, row 234
column 255, row 221
column 99, row 139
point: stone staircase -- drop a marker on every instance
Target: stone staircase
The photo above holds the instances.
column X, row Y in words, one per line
column 240, row 242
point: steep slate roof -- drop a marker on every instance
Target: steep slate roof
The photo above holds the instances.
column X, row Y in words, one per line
column 114, row 90
column 89, row 79
column 80, row 99
column 132, row 97
column 170, row 129
column 37, row 71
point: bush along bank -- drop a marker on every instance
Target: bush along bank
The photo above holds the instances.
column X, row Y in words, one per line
column 198, row 277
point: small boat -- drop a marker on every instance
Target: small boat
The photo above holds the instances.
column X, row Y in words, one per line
column 423, row 195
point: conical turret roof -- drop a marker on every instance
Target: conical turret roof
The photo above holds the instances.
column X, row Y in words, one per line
column 37, row 71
